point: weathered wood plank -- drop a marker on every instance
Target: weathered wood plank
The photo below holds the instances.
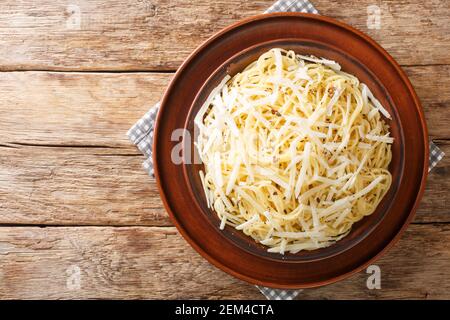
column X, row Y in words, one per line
column 98, row 108
column 76, row 186
column 113, row 262
column 433, row 90
column 159, row 34
column 75, row 108
column 149, row 262
column 104, row 186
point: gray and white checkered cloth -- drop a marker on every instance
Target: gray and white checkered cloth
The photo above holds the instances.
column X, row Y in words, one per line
column 141, row 134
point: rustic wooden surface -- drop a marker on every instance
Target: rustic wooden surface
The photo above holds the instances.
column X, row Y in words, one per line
column 73, row 195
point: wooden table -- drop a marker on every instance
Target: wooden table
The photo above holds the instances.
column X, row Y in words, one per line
column 79, row 216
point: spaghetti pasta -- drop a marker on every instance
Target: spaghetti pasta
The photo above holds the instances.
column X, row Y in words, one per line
column 295, row 151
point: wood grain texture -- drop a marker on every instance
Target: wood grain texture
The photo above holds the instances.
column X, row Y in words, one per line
column 149, row 262
column 433, row 89
column 92, row 109
column 77, row 186
column 107, row 186
column 77, row 109
column 159, row 34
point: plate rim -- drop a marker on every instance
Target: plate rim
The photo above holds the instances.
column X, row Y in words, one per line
column 417, row 106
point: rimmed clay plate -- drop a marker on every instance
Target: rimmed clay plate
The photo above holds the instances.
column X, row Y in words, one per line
column 228, row 52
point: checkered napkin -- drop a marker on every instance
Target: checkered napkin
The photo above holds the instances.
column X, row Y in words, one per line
column 141, row 134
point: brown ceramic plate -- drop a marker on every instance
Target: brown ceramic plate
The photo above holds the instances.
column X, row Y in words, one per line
column 227, row 53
